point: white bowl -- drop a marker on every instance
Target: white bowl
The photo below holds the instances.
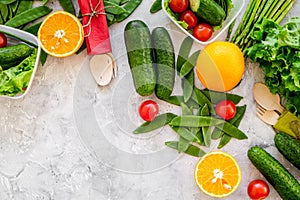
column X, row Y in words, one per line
column 32, row 39
column 235, row 11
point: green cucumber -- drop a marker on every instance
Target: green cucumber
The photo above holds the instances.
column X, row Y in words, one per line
column 288, row 147
column 139, row 50
column 11, row 56
column 165, row 62
column 283, row 182
column 208, row 10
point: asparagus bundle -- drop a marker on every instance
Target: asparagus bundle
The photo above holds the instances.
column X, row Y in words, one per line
column 275, row 10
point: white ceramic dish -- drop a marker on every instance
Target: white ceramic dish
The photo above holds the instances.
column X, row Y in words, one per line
column 238, row 6
column 32, row 39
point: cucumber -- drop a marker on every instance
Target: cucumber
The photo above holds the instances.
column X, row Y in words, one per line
column 288, row 147
column 139, row 51
column 208, row 10
column 11, row 56
column 165, row 62
column 283, row 182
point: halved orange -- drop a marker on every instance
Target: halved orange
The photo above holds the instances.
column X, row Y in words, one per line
column 218, row 174
column 61, row 34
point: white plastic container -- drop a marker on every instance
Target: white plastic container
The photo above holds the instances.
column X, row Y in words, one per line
column 235, row 11
column 32, row 39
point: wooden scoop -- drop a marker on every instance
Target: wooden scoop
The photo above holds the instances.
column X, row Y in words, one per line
column 266, row 99
column 102, row 68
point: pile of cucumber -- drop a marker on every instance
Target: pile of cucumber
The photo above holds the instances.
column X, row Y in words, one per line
column 152, row 62
column 140, row 43
column 277, row 175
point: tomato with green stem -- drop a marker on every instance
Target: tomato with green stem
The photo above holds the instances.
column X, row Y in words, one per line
column 148, row 110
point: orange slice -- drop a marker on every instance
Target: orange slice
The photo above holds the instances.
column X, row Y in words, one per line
column 218, row 174
column 60, row 34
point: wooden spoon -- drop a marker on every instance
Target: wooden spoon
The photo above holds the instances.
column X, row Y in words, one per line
column 266, row 99
column 102, row 68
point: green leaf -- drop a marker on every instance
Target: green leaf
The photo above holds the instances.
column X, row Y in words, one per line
column 158, row 122
column 225, row 139
column 206, row 132
column 28, row 16
column 7, row 1
column 45, row 2
column 184, row 52
column 24, row 5
column 185, row 133
column 13, row 7
column 191, row 150
column 67, row 6
column 3, row 13
column 215, row 97
column 33, row 28
column 113, row 8
column 43, row 57
column 183, row 144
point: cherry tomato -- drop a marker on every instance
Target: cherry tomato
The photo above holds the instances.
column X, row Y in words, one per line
column 203, row 32
column 3, row 40
column 179, row 6
column 226, row 109
column 258, row 190
column 148, row 110
column 190, row 18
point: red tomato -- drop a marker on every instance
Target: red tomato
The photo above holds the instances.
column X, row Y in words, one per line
column 190, row 18
column 179, row 6
column 258, row 190
column 203, row 32
column 3, row 40
column 226, row 109
column 148, row 110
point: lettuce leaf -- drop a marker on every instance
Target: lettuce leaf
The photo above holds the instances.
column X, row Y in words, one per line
column 277, row 50
column 14, row 79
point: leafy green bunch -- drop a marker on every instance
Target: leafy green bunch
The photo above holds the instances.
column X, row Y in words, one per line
column 277, row 50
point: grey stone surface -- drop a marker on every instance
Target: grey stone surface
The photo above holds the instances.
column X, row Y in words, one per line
column 71, row 140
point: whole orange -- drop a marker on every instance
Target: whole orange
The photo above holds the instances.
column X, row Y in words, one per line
column 220, row 66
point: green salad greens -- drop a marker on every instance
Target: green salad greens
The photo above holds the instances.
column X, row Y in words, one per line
column 277, row 50
column 16, row 79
